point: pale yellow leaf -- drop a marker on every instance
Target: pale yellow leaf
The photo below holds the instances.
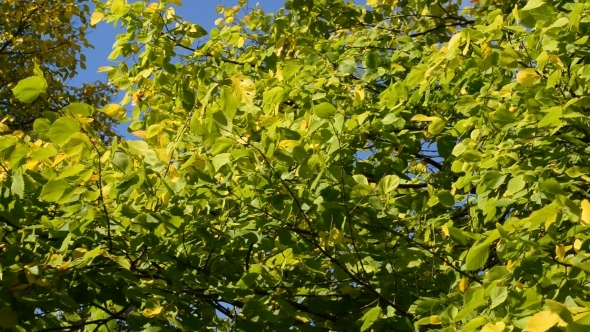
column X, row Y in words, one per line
column 78, row 253
column 288, row 143
column 95, row 18
column 542, row 321
column 151, row 312
column 585, row 218
column 527, row 77
column 578, row 245
column 435, row 320
column 560, row 252
column 490, row 327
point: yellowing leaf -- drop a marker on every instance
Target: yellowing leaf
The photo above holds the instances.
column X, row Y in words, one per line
column 288, row 144
column 463, row 284
column 243, row 89
column 490, row 327
column 95, row 18
column 114, row 110
column 542, row 321
column 578, row 245
column 78, row 253
column 218, row 21
column 435, row 320
column 445, row 230
column 151, row 312
column 585, row 218
column 527, row 77
column 560, row 252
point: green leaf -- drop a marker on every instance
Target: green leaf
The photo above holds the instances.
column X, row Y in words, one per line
column 388, row 184
column 28, row 89
column 220, row 160
column 80, row 108
column 532, row 4
column 324, row 110
column 552, row 117
column 18, row 185
column 515, row 184
column 477, row 256
column 54, row 190
column 471, row 156
column 372, row 60
column 8, row 318
column 498, row 295
column 274, row 95
column 370, row 317
column 62, row 130
column 6, row 142
column 493, row 179
column 221, row 144
column 446, row 198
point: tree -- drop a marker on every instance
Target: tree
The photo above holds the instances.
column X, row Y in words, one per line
column 51, row 34
column 397, row 166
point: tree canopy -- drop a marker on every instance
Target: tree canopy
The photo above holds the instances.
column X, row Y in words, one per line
column 51, row 34
column 396, row 166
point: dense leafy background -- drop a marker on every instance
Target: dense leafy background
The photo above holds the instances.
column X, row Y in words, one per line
column 397, row 166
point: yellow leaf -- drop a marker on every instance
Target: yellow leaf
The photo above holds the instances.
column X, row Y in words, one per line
column 435, row 320
column 463, row 284
column 78, row 253
column 241, row 42
column 445, row 230
column 243, row 89
column 218, row 21
column 114, row 110
column 585, row 218
column 578, row 245
column 151, row 312
column 302, row 317
column 542, row 321
column 140, row 133
column 422, row 118
column 95, row 18
column 288, row 143
column 43, row 282
column 527, row 77
column 560, row 252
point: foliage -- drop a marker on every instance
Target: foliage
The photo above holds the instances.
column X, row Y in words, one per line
column 397, row 166
column 52, row 34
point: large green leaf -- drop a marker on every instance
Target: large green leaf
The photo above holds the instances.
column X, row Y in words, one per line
column 28, row 89
column 62, row 130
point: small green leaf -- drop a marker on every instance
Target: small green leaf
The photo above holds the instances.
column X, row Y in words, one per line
column 532, row 4
column 221, row 145
column 477, row 256
column 370, row 317
column 18, row 185
column 324, row 110
column 446, row 198
column 220, row 160
column 29, row 89
column 388, row 183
